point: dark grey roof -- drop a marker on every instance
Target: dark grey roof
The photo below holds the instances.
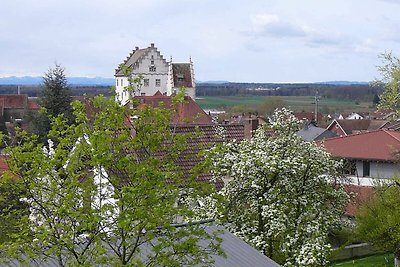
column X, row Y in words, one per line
column 238, row 253
column 312, row 133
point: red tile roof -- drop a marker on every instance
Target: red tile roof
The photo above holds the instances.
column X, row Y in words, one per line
column 361, row 194
column 382, row 145
column 188, row 112
column 206, row 138
column 14, row 101
column 3, row 164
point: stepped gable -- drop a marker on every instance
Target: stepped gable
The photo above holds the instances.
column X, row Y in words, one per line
column 135, row 57
column 188, row 112
column 379, row 145
column 182, row 75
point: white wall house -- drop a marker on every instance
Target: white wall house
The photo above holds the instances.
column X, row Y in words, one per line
column 370, row 157
column 157, row 75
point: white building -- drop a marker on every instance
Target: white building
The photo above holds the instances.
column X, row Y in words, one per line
column 157, row 75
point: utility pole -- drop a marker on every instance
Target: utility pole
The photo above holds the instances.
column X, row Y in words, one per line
column 316, row 107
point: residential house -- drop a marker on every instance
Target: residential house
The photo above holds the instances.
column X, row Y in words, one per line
column 351, row 116
column 370, row 157
column 156, row 73
column 347, row 127
column 310, row 116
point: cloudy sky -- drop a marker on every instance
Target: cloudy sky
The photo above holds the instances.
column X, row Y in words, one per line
column 242, row 41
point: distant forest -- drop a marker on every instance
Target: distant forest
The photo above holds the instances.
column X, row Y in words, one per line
column 355, row 92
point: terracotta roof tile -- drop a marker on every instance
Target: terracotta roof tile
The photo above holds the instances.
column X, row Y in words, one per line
column 188, row 112
column 14, row 101
column 361, row 194
column 376, row 145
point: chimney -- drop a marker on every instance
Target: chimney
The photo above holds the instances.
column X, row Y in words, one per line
column 152, row 44
column 136, row 47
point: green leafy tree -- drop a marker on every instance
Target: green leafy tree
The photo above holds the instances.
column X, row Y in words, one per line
column 270, row 104
column 104, row 191
column 55, row 99
column 282, row 194
column 378, row 220
column 390, row 79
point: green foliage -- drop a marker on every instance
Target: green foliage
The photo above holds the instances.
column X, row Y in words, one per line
column 104, row 190
column 378, row 220
column 55, row 99
column 282, row 194
column 270, row 104
column 390, row 72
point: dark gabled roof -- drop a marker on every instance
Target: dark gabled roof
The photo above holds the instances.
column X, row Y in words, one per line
column 238, row 253
column 312, row 133
column 380, row 145
column 182, row 75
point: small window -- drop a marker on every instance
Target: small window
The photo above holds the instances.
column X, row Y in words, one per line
column 180, row 77
column 158, row 82
column 122, row 82
column 152, row 62
column 152, row 68
column 146, row 82
column 117, row 82
column 142, row 94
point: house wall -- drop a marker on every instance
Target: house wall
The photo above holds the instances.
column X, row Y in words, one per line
column 379, row 169
column 142, row 69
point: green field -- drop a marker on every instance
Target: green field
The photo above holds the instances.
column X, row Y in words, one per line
column 296, row 103
column 384, row 260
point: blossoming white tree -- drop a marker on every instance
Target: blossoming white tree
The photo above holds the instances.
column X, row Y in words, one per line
column 282, row 194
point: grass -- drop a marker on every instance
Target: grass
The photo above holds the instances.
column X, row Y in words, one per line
column 296, row 103
column 383, row 260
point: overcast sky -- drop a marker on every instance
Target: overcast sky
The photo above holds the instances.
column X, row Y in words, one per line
column 247, row 41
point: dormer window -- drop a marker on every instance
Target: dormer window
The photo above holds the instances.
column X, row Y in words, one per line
column 152, row 69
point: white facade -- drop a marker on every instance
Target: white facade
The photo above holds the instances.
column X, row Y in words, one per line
column 156, row 75
column 370, row 173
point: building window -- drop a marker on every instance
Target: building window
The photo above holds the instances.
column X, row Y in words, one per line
column 180, row 77
column 152, row 68
column 366, row 169
column 146, row 82
column 122, row 82
column 158, row 82
column 152, row 62
column 142, row 94
column 117, row 82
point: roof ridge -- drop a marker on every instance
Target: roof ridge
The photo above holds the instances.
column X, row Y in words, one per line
column 390, row 133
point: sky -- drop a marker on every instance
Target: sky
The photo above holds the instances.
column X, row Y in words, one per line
column 230, row 40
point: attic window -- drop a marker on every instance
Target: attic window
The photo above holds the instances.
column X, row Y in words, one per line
column 152, row 68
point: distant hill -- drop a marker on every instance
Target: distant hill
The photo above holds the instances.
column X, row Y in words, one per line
column 29, row 80
column 343, row 83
